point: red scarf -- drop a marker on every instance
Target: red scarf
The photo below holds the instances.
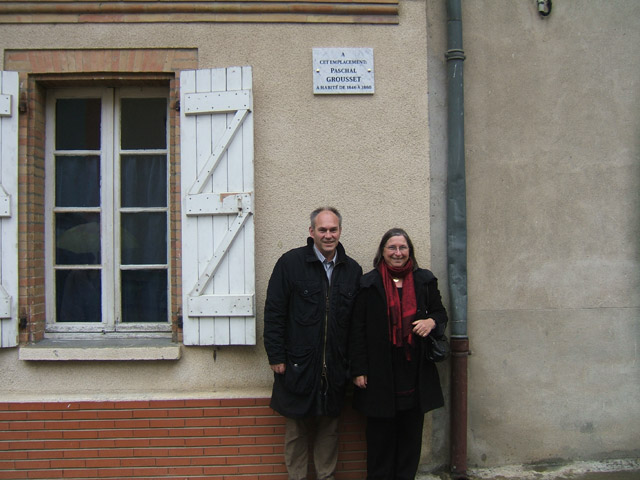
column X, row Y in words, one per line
column 401, row 314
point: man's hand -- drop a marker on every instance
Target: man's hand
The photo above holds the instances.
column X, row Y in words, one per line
column 278, row 368
column 360, row 381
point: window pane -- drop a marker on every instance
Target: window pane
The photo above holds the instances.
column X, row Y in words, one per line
column 144, row 296
column 78, row 296
column 77, row 181
column 78, row 238
column 78, row 124
column 143, row 238
column 143, row 123
column 144, row 180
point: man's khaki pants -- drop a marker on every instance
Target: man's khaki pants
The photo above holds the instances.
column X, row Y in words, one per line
column 325, row 446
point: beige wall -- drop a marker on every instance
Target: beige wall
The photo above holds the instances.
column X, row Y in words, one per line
column 552, row 153
column 367, row 155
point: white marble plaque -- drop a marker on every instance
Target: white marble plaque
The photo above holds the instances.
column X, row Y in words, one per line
column 343, row 70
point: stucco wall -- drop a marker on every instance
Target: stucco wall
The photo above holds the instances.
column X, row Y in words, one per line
column 367, row 155
column 553, row 172
column 553, row 199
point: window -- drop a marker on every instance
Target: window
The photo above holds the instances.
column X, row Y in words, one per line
column 106, row 221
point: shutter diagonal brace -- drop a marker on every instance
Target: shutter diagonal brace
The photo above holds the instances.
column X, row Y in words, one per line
column 219, row 102
column 5, row 303
column 218, row 151
column 197, row 187
column 218, row 255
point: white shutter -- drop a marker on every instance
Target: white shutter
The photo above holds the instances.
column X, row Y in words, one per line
column 216, row 148
column 8, row 209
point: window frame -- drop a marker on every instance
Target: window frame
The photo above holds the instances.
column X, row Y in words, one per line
column 109, row 210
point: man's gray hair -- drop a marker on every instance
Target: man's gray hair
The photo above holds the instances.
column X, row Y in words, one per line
column 319, row 210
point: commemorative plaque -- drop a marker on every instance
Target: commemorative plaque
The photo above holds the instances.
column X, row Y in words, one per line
column 343, row 71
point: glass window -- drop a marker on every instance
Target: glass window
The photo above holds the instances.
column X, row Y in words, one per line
column 107, row 161
column 78, row 124
column 77, row 181
column 144, row 123
column 143, row 180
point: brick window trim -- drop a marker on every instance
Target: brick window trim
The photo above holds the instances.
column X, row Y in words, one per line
column 42, row 69
column 182, row 11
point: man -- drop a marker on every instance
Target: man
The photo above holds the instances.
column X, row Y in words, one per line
column 306, row 322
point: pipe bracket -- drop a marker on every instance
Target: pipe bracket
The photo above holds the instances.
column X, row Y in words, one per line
column 455, row 54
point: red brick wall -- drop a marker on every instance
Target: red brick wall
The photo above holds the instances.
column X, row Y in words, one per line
column 157, row 439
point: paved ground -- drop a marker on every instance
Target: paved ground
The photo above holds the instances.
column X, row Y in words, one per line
column 625, row 469
column 629, row 475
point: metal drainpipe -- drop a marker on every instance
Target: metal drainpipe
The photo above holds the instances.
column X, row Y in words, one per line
column 457, row 239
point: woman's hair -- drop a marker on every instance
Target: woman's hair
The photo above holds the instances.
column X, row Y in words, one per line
column 394, row 232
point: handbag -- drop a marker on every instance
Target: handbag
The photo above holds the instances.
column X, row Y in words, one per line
column 438, row 349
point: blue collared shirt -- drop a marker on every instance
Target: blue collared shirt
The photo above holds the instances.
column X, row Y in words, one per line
column 327, row 264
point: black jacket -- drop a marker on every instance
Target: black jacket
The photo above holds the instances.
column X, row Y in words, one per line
column 306, row 326
column 370, row 348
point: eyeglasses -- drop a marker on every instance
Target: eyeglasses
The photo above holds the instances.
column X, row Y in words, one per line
column 401, row 248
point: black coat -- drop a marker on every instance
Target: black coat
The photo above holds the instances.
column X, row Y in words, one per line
column 306, row 326
column 370, row 349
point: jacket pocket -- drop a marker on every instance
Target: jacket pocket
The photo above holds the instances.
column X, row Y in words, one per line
column 307, row 301
column 300, row 374
column 346, row 299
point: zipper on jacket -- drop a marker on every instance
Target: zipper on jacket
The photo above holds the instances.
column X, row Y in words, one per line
column 325, row 380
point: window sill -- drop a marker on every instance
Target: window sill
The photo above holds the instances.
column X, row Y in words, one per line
column 101, row 350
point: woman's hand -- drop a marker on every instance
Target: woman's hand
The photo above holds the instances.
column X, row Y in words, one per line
column 360, row 381
column 424, row 326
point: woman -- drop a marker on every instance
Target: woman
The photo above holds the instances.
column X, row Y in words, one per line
column 397, row 307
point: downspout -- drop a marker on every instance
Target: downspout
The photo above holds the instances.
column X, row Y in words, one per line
column 457, row 239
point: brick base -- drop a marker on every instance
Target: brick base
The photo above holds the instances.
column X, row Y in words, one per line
column 159, row 439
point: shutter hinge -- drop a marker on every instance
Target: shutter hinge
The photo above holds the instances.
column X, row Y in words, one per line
column 23, row 320
column 23, row 104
